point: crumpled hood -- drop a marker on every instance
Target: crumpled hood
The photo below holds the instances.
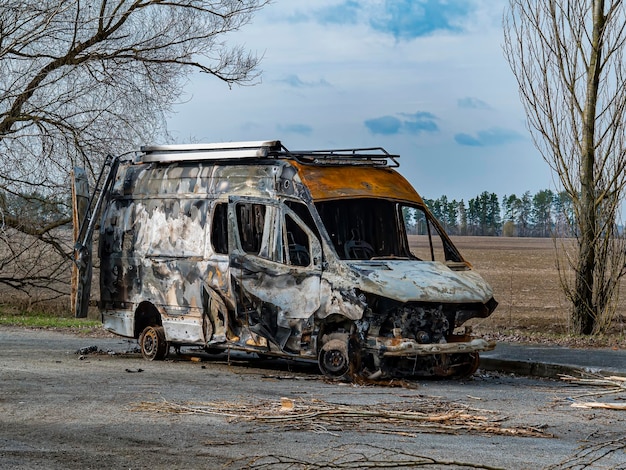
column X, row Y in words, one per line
column 421, row 281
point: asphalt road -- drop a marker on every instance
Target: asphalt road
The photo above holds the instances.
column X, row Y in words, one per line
column 62, row 410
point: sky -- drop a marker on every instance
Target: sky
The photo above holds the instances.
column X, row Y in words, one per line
column 425, row 79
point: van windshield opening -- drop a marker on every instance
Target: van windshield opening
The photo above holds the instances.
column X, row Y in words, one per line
column 369, row 228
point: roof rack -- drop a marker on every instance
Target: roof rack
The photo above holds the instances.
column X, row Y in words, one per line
column 370, row 156
column 374, row 156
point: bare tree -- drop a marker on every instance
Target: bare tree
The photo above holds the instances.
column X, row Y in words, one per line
column 567, row 57
column 83, row 78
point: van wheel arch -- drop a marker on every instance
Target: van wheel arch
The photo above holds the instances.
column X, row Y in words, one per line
column 146, row 315
column 335, row 324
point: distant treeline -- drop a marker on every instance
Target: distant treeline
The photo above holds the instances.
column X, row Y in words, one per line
column 541, row 215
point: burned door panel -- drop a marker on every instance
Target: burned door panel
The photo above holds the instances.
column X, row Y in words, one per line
column 120, row 266
column 175, row 264
column 276, row 266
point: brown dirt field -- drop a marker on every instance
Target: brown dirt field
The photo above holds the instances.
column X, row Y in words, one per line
column 525, row 280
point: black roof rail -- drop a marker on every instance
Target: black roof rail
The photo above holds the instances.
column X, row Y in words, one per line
column 366, row 156
column 372, row 156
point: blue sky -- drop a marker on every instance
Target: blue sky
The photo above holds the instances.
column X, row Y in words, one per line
column 425, row 79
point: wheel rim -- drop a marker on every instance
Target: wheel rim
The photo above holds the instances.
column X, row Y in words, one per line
column 333, row 360
column 149, row 343
column 153, row 343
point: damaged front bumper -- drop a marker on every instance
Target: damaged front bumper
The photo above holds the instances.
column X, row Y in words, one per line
column 405, row 347
column 405, row 357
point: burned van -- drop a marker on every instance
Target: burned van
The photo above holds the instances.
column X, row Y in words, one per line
column 326, row 255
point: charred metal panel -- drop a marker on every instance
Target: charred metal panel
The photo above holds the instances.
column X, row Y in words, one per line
column 339, row 298
column 295, row 294
column 184, row 329
column 422, row 281
column 188, row 179
column 121, row 322
column 276, row 266
column 153, row 249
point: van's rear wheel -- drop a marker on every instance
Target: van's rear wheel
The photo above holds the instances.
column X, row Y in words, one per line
column 152, row 343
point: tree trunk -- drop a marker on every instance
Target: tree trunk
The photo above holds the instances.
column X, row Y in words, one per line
column 585, row 312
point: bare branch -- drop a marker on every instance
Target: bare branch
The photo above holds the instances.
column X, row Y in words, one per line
column 567, row 58
column 85, row 78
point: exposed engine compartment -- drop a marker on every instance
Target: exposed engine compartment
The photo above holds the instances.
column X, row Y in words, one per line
column 425, row 323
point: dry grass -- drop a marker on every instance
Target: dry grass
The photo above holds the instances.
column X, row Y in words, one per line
column 525, row 280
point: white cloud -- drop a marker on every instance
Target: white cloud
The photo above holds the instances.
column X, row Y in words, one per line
column 322, row 80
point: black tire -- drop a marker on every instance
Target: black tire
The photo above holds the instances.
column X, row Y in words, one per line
column 468, row 364
column 333, row 360
column 153, row 344
column 459, row 365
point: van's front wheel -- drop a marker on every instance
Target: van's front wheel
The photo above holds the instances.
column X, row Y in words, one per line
column 335, row 359
column 152, row 343
column 465, row 364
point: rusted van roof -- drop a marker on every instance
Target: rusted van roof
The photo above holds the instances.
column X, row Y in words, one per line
column 335, row 182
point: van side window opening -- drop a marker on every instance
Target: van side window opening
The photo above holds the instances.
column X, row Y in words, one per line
column 296, row 243
column 302, row 211
column 219, row 229
column 425, row 238
column 253, row 228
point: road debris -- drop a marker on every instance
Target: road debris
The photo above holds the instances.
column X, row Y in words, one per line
column 609, row 386
column 613, row 382
column 420, row 415
column 599, row 455
column 597, row 404
column 87, row 350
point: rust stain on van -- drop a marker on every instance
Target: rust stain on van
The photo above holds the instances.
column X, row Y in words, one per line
column 337, row 182
column 248, row 246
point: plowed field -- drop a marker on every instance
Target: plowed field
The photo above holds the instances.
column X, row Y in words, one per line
column 525, row 280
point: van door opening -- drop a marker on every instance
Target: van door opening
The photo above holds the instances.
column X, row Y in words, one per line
column 276, row 270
